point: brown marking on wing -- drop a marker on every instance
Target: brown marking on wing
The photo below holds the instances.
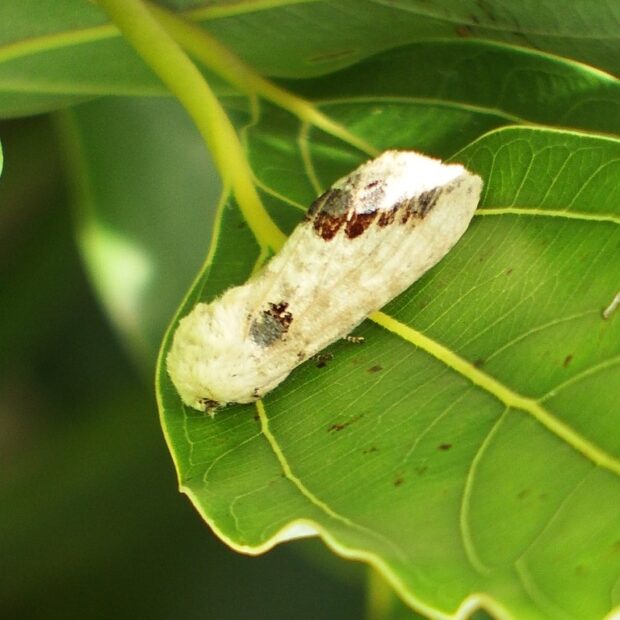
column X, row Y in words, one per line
column 358, row 223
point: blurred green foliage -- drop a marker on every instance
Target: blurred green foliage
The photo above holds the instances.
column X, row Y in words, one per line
column 91, row 523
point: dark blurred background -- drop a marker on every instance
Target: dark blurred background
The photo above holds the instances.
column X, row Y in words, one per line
column 91, row 523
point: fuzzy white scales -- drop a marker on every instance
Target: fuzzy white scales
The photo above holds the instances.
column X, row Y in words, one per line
column 364, row 241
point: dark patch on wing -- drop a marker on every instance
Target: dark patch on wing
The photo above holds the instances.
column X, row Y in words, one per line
column 422, row 204
column 358, row 223
column 386, row 217
column 335, row 202
column 328, row 212
column 356, row 207
column 272, row 324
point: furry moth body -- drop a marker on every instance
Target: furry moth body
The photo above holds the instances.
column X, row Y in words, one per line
column 362, row 242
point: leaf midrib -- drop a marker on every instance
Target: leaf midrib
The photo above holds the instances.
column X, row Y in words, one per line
column 500, row 391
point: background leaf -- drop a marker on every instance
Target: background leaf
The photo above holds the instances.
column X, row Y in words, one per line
column 52, row 55
column 91, row 523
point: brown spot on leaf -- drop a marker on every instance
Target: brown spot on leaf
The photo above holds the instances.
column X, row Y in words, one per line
column 567, row 360
column 478, row 363
column 463, row 31
column 375, row 368
column 339, row 426
column 398, row 481
column 445, row 446
column 370, row 450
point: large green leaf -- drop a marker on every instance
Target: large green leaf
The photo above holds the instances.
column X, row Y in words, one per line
column 468, row 451
column 56, row 54
column 493, row 477
column 408, row 461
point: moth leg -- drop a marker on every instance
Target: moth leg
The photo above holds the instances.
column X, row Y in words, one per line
column 354, row 339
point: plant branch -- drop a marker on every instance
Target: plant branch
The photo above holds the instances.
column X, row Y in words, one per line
column 219, row 59
column 164, row 56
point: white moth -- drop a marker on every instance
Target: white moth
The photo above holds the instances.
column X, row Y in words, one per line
column 362, row 242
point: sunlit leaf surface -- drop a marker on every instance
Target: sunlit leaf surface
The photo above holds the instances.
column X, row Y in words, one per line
column 470, row 453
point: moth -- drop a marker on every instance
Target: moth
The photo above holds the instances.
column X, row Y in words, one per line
column 362, row 242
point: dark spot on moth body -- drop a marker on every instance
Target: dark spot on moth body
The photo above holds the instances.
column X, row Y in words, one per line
column 358, row 223
column 326, row 226
column 386, row 217
column 355, row 207
column 335, row 202
column 271, row 324
column 421, row 205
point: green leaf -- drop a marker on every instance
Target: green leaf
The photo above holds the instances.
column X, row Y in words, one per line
column 467, row 452
column 402, row 460
column 53, row 55
column 486, row 80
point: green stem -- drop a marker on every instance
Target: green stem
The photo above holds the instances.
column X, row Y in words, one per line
column 219, row 59
column 164, row 56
